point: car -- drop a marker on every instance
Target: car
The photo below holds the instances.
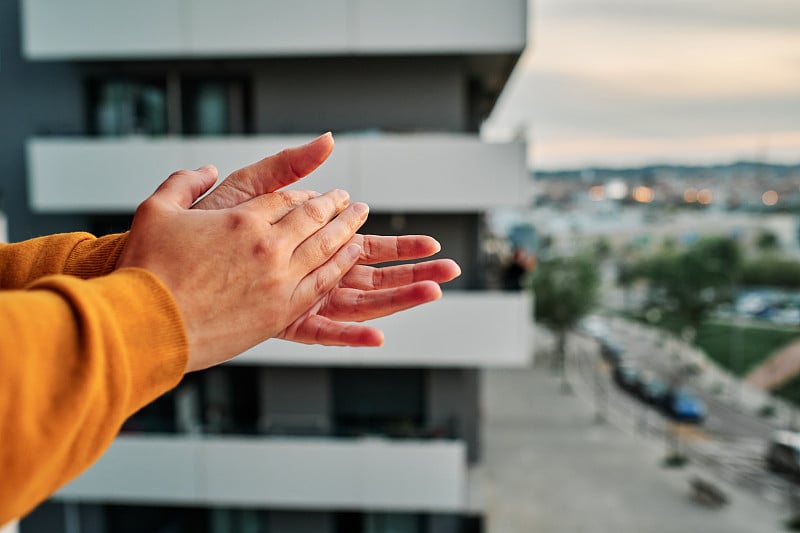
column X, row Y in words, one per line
column 652, row 389
column 683, row 405
column 783, row 454
column 594, row 326
column 612, row 352
column 626, row 376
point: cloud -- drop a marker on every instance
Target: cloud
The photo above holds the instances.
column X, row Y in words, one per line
column 656, row 70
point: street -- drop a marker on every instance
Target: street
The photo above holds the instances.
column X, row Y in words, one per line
column 732, row 439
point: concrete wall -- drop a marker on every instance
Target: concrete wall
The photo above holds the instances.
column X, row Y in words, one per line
column 389, row 94
column 282, row 473
column 206, row 28
column 462, row 329
column 402, row 173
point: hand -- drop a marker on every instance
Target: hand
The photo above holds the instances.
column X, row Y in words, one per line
column 242, row 275
column 365, row 292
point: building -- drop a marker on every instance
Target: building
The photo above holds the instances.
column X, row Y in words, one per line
column 111, row 97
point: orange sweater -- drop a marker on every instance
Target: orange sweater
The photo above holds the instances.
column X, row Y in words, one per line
column 81, row 349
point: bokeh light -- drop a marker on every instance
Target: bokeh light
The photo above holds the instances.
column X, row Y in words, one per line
column 770, row 198
column 643, row 194
column 705, row 196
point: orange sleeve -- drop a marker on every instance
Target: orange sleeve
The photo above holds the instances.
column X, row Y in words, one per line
column 77, row 358
column 77, row 254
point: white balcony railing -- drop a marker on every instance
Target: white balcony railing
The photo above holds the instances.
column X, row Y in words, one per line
column 398, row 173
column 97, row 29
column 290, row 473
column 463, row 329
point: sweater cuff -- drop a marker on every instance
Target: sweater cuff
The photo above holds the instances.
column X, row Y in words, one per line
column 153, row 333
column 91, row 257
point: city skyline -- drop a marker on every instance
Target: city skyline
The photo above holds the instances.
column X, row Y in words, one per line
column 629, row 83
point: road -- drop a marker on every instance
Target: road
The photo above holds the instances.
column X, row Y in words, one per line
column 725, row 421
column 732, row 441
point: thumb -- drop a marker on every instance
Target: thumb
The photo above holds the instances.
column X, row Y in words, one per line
column 183, row 187
column 270, row 174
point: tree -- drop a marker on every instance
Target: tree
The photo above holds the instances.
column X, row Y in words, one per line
column 565, row 290
column 693, row 281
column 767, row 241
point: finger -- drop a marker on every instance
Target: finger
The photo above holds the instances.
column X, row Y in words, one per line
column 380, row 249
column 269, row 174
column 308, row 217
column 323, row 244
column 185, row 186
column 278, row 204
column 317, row 329
column 371, row 278
column 320, row 281
column 354, row 305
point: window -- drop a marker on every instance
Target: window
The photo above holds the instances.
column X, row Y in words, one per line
column 127, row 107
column 215, row 106
column 379, row 401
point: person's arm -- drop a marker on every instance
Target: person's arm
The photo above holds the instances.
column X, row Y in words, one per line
column 191, row 289
column 75, row 254
column 78, row 357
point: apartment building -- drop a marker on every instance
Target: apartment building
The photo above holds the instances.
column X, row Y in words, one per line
column 110, row 97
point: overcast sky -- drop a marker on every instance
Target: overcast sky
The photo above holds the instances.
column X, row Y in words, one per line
column 628, row 82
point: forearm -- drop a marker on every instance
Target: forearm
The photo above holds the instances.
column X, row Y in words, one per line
column 76, row 359
column 76, row 254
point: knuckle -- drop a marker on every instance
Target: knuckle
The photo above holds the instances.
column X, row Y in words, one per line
column 327, row 245
column 235, row 220
column 179, row 173
column 321, row 281
column 245, row 220
column 367, row 248
column 377, row 278
column 262, row 249
column 290, row 199
column 315, row 212
column 147, row 207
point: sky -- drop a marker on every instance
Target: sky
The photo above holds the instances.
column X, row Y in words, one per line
column 632, row 82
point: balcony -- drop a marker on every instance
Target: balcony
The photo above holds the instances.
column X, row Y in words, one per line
column 289, row 473
column 391, row 172
column 463, row 329
column 94, row 29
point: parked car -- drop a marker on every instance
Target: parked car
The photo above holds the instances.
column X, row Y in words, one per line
column 612, row 352
column 626, row 376
column 594, row 326
column 652, row 389
column 683, row 405
column 783, row 454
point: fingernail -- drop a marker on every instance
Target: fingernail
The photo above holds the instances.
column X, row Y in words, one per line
column 360, row 208
column 326, row 134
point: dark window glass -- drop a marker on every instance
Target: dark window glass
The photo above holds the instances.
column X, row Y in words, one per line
column 230, row 400
column 215, row 106
column 156, row 417
column 135, row 519
column 379, row 401
column 127, row 107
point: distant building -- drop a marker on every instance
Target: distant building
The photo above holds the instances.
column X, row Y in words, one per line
column 110, row 97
